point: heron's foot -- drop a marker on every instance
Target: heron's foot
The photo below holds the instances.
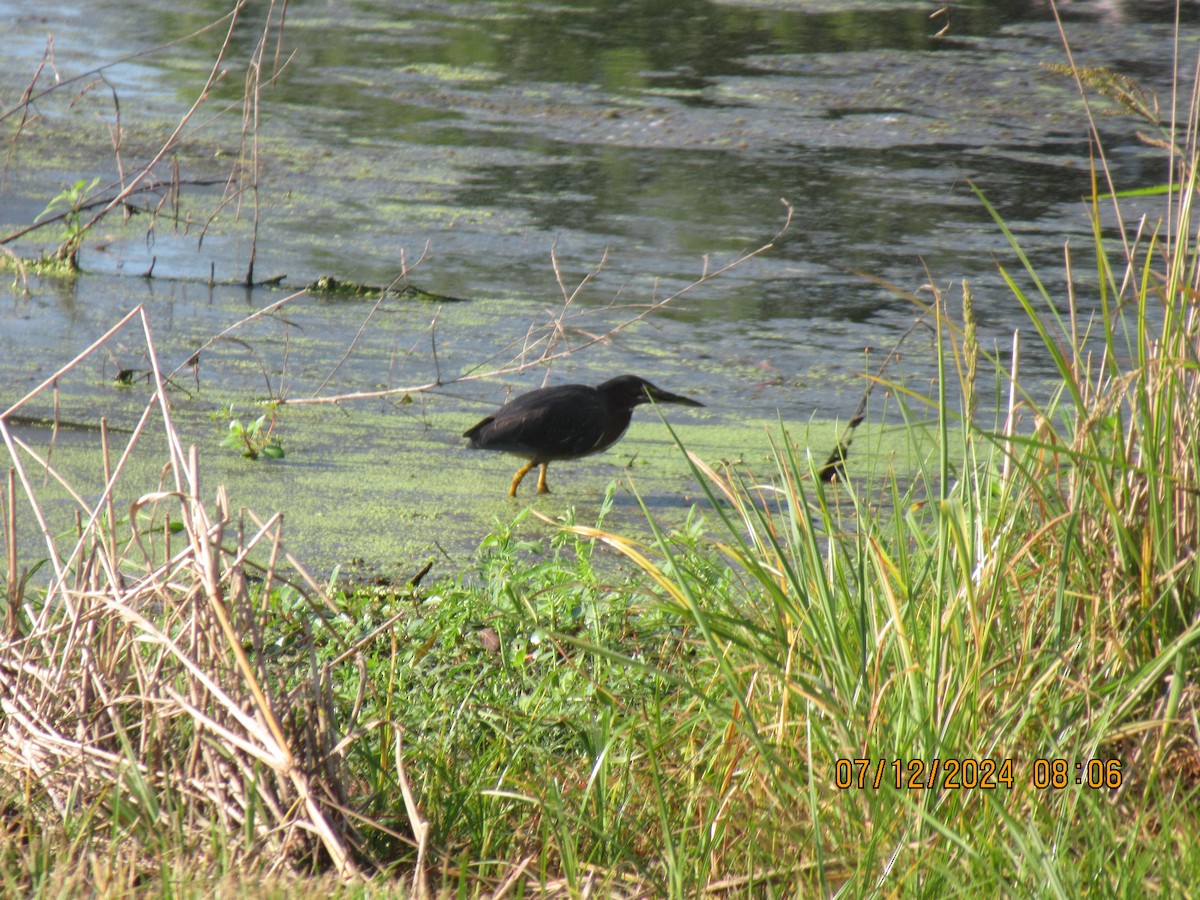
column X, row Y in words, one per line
column 521, row 473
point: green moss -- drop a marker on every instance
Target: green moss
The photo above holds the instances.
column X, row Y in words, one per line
column 392, row 489
column 328, row 286
column 445, row 72
column 47, row 266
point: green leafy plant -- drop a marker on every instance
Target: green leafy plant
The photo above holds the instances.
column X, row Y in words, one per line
column 254, row 438
column 72, row 199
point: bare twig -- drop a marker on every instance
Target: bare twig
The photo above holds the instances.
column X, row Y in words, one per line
column 525, row 359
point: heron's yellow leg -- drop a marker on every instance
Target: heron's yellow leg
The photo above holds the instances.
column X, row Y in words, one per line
column 512, row 491
column 543, row 488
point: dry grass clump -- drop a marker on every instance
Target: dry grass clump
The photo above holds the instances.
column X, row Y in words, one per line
column 134, row 691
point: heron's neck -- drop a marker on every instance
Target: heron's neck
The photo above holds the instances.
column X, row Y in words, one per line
column 616, row 427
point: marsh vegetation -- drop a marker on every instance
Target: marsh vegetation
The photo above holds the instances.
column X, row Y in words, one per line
column 966, row 664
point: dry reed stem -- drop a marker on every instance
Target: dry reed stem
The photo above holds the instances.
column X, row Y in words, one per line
column 419, row 824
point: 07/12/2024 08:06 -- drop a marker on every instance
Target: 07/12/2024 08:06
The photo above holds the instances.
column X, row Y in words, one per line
column 974, row 774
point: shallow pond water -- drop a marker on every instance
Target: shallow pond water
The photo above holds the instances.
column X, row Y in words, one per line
column 630, row 144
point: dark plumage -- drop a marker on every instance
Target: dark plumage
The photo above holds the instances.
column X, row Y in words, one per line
column 565, row 422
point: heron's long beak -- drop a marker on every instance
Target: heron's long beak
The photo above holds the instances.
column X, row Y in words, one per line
column 658, row 395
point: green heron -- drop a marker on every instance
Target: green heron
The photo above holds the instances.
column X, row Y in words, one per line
column 565, row 422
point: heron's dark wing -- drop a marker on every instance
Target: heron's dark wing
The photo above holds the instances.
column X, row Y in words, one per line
column 555, row 423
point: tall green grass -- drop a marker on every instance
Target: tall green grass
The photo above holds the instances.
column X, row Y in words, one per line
column 1025, row 592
